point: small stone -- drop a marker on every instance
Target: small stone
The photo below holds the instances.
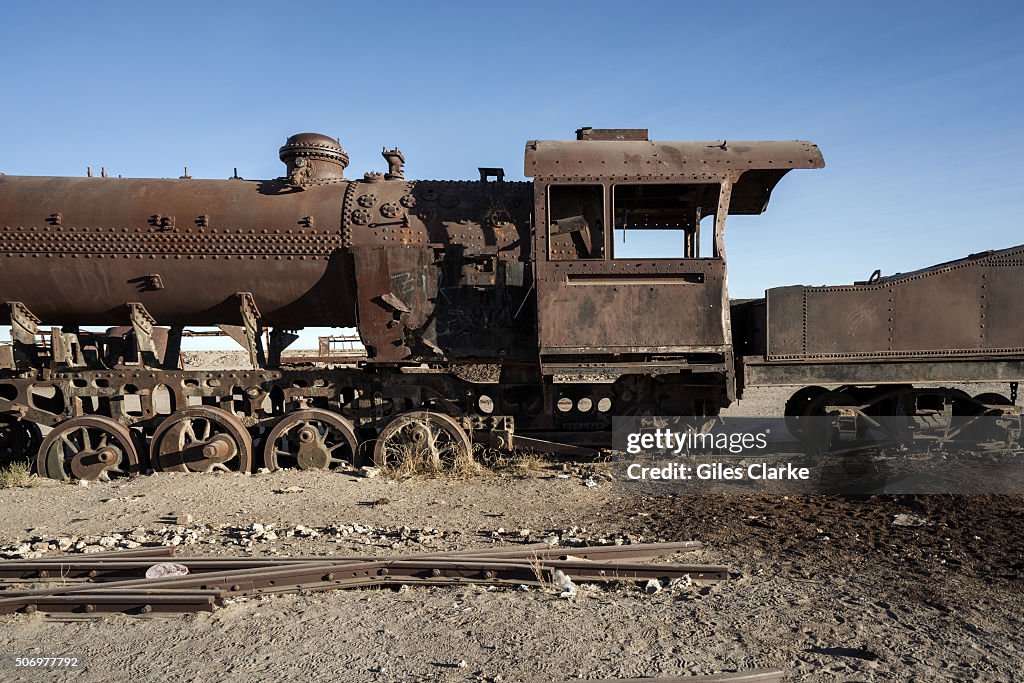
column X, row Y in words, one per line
column 369, row 472
column 652, row 586
column 131, row 544
column 904, row 519
column 270, row 536
column 183, row 519
column 463, row 664
column 64, row 543
column 41, row 546
column 92, row 549
column 551, row 540
column 108, row 542
column 23, row 549
column 257, row 528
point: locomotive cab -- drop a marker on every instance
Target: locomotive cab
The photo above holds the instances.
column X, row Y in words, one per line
column 630, row 256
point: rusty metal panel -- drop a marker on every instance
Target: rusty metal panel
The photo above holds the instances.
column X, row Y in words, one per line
column 969, row 307
column 1002, row 280
column 632, row 306
column 757, row 372
column 397, row 288
column 847, row 320
column 756, row 166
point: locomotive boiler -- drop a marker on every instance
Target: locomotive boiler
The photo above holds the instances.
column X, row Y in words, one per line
column 507, row 313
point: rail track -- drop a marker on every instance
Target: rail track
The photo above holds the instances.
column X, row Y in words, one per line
column 116, row 581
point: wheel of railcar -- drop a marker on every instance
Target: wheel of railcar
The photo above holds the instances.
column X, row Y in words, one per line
column 817, row 429
column 797, row 405
column 89, row 447
column 310, row 439
column 422, row 441
column 201, row 439
column 19, row 439
column 993, row 399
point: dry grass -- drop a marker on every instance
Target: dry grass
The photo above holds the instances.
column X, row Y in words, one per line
column 15, row 475
column 541, row 576
column 517, row 461
column 406, row 459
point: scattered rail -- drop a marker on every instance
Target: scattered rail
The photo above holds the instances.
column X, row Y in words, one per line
column 115, row 581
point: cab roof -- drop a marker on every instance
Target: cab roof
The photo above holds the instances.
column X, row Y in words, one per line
column 756, row 167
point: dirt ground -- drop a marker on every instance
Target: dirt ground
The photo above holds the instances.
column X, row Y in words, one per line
column 827, row 588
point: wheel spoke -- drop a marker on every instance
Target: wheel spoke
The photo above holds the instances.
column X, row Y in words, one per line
column 189, row 431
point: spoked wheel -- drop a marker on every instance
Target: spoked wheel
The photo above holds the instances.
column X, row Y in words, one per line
column 310, row 439
column 19, row 439
column 797, row 406
column 423, row 441
column 201, row 439
column 90, row 447
column 817, row 424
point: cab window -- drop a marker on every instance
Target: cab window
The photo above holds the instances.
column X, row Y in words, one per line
column 664, row 220
column 576, row 222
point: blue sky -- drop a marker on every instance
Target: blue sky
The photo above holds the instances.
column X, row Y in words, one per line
column 916, row 106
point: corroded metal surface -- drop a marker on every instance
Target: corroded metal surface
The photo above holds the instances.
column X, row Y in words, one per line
column 970, row 308
column 440, row 277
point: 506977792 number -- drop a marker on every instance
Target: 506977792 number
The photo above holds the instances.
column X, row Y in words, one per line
column 41, row 662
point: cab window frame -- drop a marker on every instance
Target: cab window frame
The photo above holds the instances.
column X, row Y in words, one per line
column 715, row 223
column 602, row 242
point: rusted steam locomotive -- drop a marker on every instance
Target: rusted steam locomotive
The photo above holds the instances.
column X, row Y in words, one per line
column 490, row 310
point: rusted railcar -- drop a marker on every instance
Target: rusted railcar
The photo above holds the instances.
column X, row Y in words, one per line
column 509, row 313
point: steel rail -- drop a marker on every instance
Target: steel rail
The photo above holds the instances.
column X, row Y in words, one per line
column 126, row 566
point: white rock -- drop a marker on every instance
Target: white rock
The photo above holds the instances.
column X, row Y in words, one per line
column 652, row 586
column 108, row 542
column 563, row 583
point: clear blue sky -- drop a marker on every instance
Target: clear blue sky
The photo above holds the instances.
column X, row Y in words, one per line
column 917, row 106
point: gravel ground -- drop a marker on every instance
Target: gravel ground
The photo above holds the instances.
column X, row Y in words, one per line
column 827, row 588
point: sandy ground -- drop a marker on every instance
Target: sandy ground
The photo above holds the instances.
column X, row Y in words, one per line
column 827, row 588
